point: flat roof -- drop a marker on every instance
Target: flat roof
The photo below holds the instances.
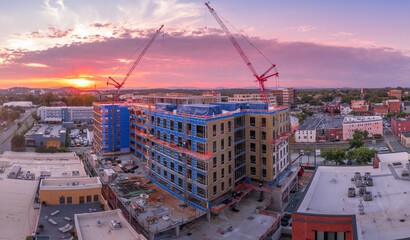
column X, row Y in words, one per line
column 406, row 134
column 65, row 211
column 359, row 119
column 90, row 226
column 312, row 122
column 47, row 130
column 328, row 195
column 18, row 215
column 246, row 224
column 70, row 183
column 330, row 122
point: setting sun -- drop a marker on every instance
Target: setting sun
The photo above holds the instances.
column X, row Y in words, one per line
column 81, row 83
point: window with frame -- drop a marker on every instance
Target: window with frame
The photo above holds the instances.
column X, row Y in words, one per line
column 222, row 128
column 171, row 125
column 252, row 147
column 252, row 171
column 222, row 186
column 215, row 190
column 222, row 159
column 263, row 136
column 214, row 162
column 252, row 134
column 173, row 178
column 263, row 148
column 214, row 130
column 252, row 159
column 158, row 121
column 264, row 161
column 321, row 235
column 164, row 123
column 229, row 156
column 215, row 177
column 222, row 144
column 222, row 173
column 230, row 182
column 229, row 141
column 252, row 121
column 180, row 182
column 230, row 169
column 264, row 173
column 230, row 126
column 263, row 122
column 214, row 149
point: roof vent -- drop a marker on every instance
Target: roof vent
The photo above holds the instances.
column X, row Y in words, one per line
column 333, row 180
column 362, row 190
column 351, row 192
column 367, row 196
column 369, row 181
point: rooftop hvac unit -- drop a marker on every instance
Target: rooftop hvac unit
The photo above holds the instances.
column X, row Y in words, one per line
column 369, row 181
column 366, row 175
column 359, row 182
column 362, row 190
column 351, row 192
column 367, row 196
column 357, row 175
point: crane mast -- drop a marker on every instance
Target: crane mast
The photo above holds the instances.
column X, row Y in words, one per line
column 118, row 85
column 261, row 79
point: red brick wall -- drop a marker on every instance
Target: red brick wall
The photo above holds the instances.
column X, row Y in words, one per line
column 304, row 226
column 404, row 126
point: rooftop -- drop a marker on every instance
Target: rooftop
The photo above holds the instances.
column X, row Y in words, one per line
column 70, row 184
column 406, row 134
column 18, row 215
column 312, row 122
column 246, row 224
column 401, row 119
column 64, row 216
column 386, row 216
column 330, row 122
column 359, row 119
column 47, row 130
column 98, row 225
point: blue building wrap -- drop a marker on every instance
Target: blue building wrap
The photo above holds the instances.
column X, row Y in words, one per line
column 120, row 126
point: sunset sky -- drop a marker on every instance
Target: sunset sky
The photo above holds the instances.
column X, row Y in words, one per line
column 80, row 43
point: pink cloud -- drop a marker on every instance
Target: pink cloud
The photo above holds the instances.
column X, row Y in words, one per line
column 197, row 59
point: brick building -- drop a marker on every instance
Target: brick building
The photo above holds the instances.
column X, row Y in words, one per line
column 393, row 105
column 380, row 110
column 331, row 109
column 345, row 203
column 372, row 124
column 395, row 93
column 400, row 125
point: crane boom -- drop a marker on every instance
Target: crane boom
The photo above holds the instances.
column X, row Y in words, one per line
column 260, row 79
column 118, row 85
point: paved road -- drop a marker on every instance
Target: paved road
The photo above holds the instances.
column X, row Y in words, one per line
column 5, row 137
column 393, row 141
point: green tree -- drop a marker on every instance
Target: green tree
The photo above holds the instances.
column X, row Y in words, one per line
column 336, row 155
column 365, row 134
column 47, row 98
column 389, row 115
column 361, row 155
column 18, row 143
column 336, row 111
column 357, row 140
column 401, row 115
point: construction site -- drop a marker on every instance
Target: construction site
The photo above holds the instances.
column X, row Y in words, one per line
column 184, row 170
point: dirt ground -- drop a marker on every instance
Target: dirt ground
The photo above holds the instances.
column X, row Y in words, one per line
column 167, row 199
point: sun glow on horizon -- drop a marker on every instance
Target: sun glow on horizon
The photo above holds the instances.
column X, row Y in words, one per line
column 81, row 82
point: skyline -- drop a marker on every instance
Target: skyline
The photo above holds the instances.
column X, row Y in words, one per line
column 58, row 44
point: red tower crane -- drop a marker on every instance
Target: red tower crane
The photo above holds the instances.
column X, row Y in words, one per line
column 261, row 79
column 118, row 85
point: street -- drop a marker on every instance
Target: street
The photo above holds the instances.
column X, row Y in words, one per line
column 393, row 141
column 5, row 137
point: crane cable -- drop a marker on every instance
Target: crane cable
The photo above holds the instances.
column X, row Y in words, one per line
column 246, row 38
column 126, row 61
